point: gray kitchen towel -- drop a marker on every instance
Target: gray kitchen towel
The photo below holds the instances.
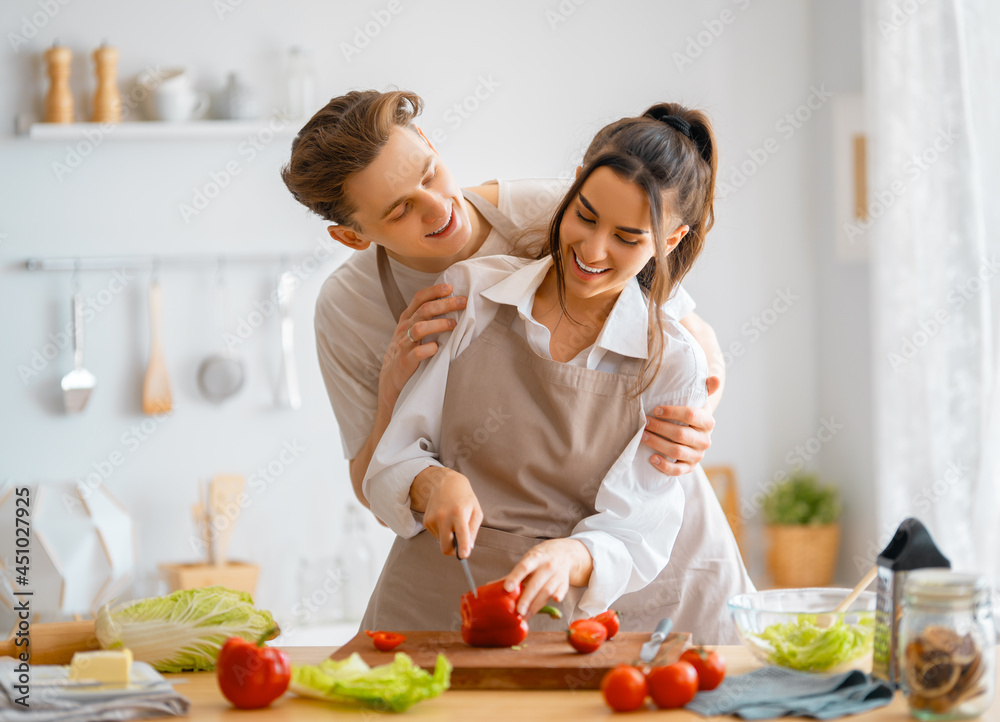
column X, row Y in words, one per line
column 772, row 692
column 49, row 705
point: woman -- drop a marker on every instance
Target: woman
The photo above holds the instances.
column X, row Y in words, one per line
column 520, row 435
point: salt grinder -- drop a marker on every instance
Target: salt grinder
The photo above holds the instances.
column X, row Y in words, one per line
column 59, row 99
column 911, row 548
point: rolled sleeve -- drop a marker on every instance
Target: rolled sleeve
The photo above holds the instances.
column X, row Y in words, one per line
column 388, row 493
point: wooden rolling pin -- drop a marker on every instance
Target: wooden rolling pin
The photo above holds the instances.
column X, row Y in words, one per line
column 54, row 642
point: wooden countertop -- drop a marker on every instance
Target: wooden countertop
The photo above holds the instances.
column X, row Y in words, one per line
column 208, row 704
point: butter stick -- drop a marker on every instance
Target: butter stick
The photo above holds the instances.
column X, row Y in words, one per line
column 108, row 666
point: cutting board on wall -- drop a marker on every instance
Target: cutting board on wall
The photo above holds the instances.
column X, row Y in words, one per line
column 544, row 661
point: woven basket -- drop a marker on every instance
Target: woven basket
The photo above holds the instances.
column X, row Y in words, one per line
column 801, row 555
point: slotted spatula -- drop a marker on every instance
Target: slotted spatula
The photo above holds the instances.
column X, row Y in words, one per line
column 156, row 387
column 79, row 382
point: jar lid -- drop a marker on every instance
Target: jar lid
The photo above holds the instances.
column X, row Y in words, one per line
column 944, row 585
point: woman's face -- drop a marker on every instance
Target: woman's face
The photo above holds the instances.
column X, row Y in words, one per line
column 408, row 201
column 605, row 236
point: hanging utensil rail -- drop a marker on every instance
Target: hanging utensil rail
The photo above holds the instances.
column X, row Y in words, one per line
column 148, row 263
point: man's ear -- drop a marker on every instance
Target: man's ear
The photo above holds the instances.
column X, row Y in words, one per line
column 674, row 238
column 578, row 169
column 348, row 237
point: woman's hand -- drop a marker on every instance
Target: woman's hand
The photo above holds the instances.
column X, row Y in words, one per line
column 547, row 571
column 406, row 348
column 679, row 448
column 450, row 507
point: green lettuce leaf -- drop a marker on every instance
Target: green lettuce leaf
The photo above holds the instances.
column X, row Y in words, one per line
column 395, row 686
column 182, row 631
column 805, row 645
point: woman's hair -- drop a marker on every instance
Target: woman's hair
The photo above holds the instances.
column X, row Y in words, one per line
column 668, row 152
column 342, row 139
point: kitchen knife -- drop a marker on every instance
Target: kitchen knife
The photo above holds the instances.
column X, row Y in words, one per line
column 648, row 652
column 465, row 567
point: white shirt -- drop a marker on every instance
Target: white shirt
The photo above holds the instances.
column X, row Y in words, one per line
column 353, row 323
column 639, row 509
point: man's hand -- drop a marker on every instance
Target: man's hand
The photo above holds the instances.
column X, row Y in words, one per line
column 679, row 448
column 547, row 571
column 406, row 349
column 450, row 507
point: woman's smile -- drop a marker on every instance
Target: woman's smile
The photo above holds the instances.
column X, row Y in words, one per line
column 583, row 270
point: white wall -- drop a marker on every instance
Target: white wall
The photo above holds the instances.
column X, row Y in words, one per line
column 844, row 346
column 561, row 70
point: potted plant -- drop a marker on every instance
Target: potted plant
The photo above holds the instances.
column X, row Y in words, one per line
column 803, row 532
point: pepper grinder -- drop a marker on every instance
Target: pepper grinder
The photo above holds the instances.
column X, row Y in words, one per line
column 59, row 100
column 107, row 100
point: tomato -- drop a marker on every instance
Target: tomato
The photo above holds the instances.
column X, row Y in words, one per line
column 586, row 635
column 624, row 688
column 611, row 621
column 710, row 666
column 386, row 641
column 672, row 686
column 250, row 675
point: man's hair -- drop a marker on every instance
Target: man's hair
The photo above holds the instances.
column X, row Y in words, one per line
column 342, row 139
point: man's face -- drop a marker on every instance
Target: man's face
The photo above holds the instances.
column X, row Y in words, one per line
column 408, row 201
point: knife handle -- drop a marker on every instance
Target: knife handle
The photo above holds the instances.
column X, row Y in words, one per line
column 454, row 543
column 663, row 628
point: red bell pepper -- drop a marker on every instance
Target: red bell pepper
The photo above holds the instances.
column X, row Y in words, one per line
column 492, row 619
column 251, row 675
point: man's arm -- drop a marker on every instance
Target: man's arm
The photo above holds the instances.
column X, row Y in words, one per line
column 359, row 464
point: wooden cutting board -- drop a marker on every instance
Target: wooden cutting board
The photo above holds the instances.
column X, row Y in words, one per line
column 545, row 660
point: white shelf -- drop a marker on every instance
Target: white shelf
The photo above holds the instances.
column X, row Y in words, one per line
column 153, row 130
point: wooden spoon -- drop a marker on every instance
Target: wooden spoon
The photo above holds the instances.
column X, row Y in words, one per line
column 826, row 620
column 156, row 387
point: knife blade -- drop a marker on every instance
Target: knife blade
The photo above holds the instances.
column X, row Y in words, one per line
column 465, row 568
column 648, row 652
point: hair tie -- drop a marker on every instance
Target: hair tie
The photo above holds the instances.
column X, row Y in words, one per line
column 678, row 123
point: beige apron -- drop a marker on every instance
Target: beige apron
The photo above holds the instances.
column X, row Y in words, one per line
column 536, row 443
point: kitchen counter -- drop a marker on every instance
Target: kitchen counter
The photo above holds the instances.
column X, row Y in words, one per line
column 209, row 704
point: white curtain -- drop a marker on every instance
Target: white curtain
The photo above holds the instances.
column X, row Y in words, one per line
column 932, row 88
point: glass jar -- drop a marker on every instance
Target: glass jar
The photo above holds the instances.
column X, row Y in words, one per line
column 947, row 645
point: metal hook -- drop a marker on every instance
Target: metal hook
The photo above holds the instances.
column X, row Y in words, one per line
column 155, row 276
column 220, row 271
column 74, row 280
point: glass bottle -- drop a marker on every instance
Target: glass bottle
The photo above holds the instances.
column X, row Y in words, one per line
column 301, row 83
column 319, row 601
column 948, row 645
column 354, row 560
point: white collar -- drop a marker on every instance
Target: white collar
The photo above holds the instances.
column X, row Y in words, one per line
column 625, row 330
